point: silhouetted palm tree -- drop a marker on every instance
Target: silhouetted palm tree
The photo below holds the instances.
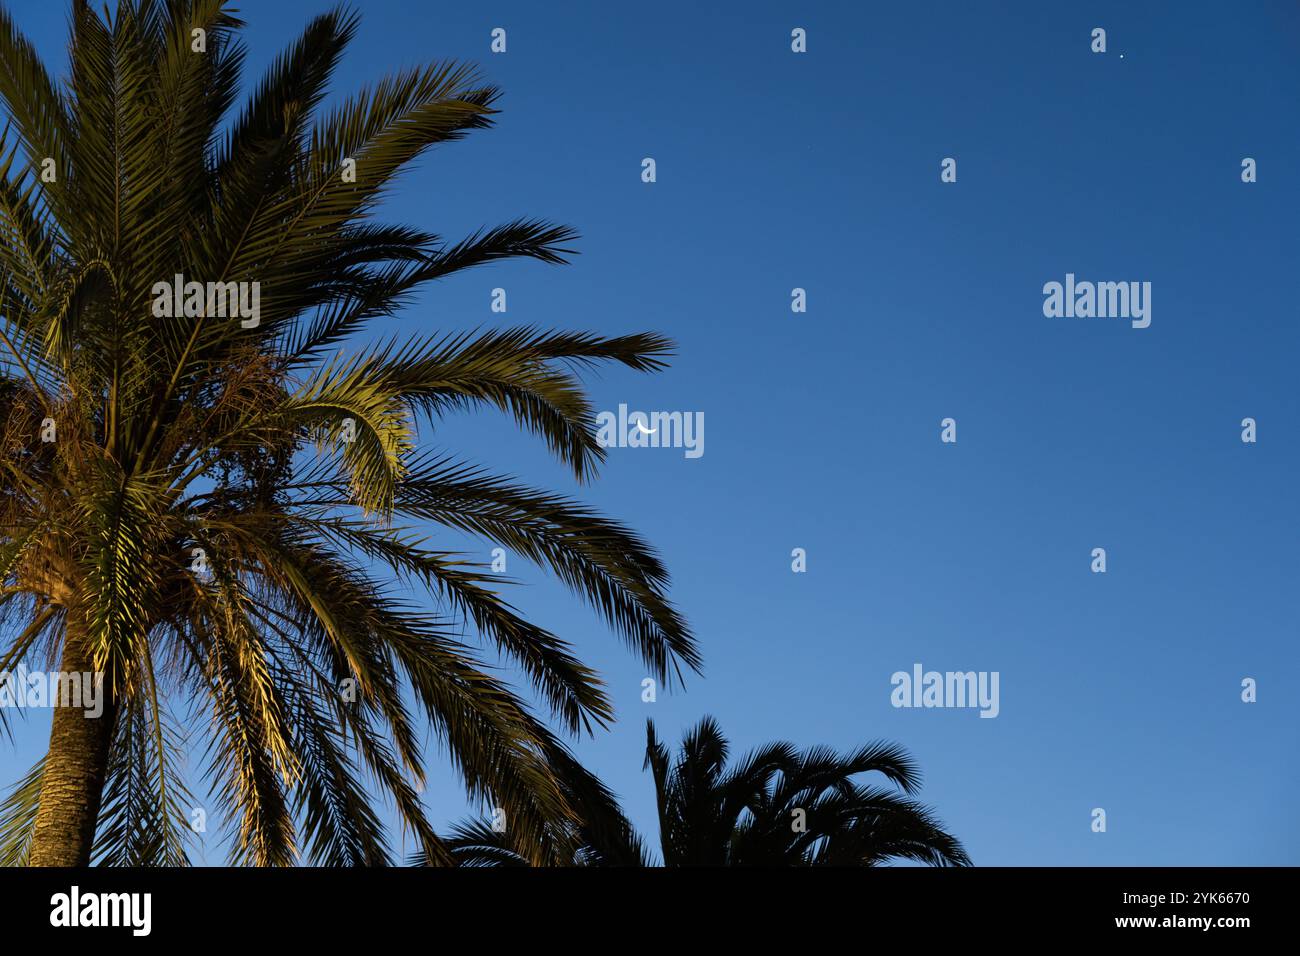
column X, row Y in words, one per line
column 778, row 806
column 163, row 520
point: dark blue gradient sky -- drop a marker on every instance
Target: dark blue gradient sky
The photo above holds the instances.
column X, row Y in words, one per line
column 821, row 171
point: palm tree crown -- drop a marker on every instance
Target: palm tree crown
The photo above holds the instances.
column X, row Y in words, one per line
column 777, row 806
column 209, row 509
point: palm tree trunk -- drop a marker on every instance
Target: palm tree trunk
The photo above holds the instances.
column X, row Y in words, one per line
column 75, row 771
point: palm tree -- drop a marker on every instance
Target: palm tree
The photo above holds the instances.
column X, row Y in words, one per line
column 214, row 512
column 777, row 807
column 783, row 807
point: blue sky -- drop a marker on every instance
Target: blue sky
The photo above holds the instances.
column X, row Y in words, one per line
column 778, row 170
